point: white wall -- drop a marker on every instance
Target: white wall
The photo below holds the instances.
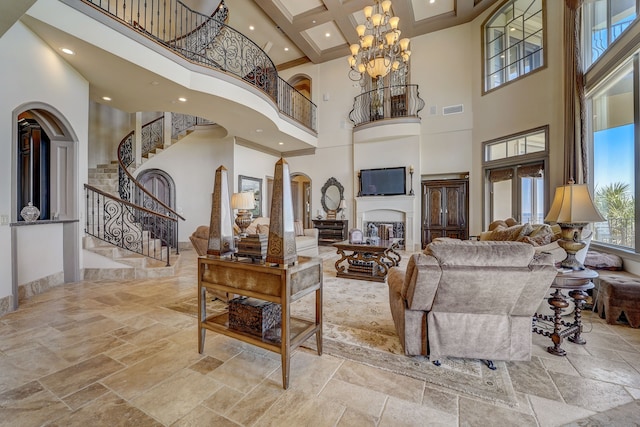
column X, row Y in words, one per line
column 107, row 127
column 192, row 163
column 34, row 73
column 533, row 101
column 47, row 251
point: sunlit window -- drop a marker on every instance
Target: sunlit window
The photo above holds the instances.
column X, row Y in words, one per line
column 613, row 144
column 603, row 21
column 515, row 178
column 513, row 41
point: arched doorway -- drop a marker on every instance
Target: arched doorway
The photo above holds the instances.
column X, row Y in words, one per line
column 160, row 184
column 44, row 157
column 301, row 196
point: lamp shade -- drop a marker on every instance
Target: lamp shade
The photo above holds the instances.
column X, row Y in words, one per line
column 572, row 203
column 342, row 205
column 243, row 200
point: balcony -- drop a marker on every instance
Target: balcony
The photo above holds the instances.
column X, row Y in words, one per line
column 388, row 102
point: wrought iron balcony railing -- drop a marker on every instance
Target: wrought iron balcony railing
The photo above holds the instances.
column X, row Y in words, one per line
column 385, row 103
column 208, row 41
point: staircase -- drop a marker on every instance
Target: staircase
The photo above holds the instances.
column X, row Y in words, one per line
column 112, row 261
column 123, row 264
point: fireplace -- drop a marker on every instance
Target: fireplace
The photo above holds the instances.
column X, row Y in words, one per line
column 388, row 210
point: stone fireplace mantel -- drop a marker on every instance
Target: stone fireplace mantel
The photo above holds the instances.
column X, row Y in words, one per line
column 388, row 208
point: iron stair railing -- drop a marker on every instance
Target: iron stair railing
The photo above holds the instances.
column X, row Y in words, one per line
column 129, row 226
column 137, row 219
column 208, row 41
column 386, row 102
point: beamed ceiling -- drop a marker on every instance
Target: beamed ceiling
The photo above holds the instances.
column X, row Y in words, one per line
column 322, row 30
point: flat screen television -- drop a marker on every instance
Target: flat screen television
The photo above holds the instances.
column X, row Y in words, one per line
column 383, row 181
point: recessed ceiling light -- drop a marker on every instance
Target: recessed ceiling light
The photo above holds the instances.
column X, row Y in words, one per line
column 155, row 83
column 313, row 22
column 258, row 130
column 182, row 99
column 251, row 27
column 67, row 51
column 280, row 143
column 432, row 1
column 106, row 98
column 286, row 49
column 327, row 34
column 512, row 29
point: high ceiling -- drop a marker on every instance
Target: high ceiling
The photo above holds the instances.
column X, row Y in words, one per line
column 322, row 30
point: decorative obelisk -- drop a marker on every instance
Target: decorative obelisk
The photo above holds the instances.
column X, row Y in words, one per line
column 281, row 248
column 221, row 241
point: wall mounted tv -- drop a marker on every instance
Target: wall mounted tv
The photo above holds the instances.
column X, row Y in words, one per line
column 383, row 181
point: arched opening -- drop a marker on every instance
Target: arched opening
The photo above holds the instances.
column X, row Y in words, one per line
column 44, row 158
column 302, row 83
column 301, row 196
column 44, row 170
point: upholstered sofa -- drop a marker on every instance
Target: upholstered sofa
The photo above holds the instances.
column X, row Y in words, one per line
column 469, row 299
column 306, row 238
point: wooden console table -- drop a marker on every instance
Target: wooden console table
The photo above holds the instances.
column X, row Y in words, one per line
column 367, row 262
column 331, row 230
column 577, row 283
column 275, row 284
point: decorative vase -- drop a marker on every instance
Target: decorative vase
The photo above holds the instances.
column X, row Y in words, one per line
column 30, row 213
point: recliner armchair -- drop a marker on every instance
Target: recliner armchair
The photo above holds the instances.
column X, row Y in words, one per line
column 470, row 299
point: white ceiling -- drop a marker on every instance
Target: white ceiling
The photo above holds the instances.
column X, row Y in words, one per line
column 300, row 26
column 323, row 29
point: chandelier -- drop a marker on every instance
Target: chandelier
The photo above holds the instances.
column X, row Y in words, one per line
column 381, row 49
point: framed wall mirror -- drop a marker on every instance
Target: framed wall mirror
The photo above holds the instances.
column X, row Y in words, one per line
column 332, row 193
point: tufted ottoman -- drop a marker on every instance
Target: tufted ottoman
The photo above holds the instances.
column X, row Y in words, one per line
column 619, row 292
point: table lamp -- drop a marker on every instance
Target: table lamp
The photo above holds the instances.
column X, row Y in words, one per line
column 572, row 209
column 244, row 203
column 342, row 207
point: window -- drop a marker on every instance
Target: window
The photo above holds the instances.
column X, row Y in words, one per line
column 603, row 21
column 613, row 148
column 515, row 181
column 513, row 42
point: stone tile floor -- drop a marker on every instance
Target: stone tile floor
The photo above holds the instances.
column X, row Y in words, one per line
column 107, row 353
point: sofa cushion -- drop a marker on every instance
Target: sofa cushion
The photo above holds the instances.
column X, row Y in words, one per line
column 298, row 228
column 474, row 254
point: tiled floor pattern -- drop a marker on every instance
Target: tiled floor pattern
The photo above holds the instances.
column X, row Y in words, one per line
column 106, row 353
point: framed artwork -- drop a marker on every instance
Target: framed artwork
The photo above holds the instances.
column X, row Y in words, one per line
column 254, row 185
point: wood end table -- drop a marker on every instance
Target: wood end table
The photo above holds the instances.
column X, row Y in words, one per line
column 577, row 283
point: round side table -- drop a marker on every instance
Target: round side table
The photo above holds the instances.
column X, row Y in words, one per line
column 577, row 283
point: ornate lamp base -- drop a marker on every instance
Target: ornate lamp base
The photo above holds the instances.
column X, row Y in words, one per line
column 571, row 242
column 243, row 220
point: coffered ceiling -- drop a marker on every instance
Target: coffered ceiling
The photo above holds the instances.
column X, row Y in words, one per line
column 322, row 30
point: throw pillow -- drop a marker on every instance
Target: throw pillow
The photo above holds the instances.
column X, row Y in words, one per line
column 540, row 235
column 511, row 233
column 298, row 228
column 539, row 240
column 603, row 261
column 497, row 223
column 263, row 229
column 510, row 222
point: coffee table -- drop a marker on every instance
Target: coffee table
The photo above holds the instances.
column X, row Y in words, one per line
column 365, row 261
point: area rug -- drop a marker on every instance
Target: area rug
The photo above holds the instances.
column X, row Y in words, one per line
column 358, row 326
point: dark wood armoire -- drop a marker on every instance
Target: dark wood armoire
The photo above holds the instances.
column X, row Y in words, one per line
column 445, row 209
